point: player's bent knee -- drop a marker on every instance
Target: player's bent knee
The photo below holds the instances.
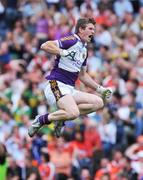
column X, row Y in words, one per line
column 100, row 103
column 73, row 114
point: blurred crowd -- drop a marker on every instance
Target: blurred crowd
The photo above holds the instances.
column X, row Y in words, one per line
column 105, row 145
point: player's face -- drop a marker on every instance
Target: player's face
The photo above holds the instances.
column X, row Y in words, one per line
column 88, row 32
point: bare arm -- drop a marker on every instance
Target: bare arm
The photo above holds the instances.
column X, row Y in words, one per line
column 87, row 80
column 51, row 47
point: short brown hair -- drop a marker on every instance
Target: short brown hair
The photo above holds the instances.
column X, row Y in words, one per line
column 81, row 23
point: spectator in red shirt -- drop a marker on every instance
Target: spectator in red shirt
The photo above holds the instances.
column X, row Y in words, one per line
column 46, row 168
column 92, row 138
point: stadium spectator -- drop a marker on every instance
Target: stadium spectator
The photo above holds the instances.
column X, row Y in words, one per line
column 46, row 168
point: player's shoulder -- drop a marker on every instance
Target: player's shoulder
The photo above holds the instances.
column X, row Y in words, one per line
column 68, row 38
column 67, row 41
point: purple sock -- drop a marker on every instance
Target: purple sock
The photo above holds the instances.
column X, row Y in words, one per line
column 43, row 119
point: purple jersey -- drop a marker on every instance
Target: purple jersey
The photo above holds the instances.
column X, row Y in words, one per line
column 66, row 69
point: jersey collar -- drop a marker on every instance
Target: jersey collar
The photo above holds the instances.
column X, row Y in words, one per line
column 84, row 44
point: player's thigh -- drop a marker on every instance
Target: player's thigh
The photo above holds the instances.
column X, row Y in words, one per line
column 59, row 94
column 87, row 98
column 67, row 103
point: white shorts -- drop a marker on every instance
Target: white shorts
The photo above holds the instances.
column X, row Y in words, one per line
column 54, row 90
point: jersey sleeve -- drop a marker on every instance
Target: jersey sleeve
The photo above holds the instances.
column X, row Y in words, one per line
column 67, row 42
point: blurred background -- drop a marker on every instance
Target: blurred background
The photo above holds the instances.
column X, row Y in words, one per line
column 105, row 145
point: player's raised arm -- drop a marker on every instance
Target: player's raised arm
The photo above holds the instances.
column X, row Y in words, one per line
column 52, row 47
